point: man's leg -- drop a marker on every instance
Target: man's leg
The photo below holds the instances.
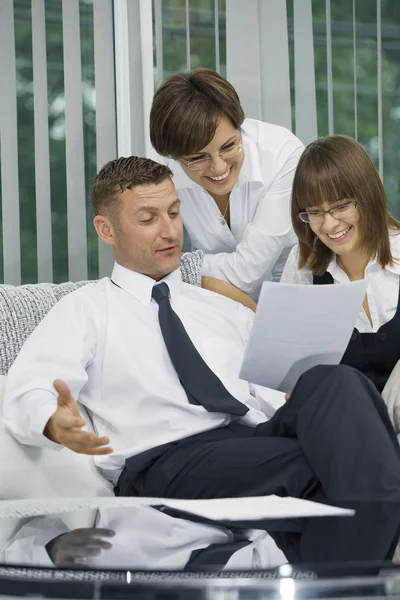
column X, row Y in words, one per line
column 333, row 439
column 226, row 462
column 344, row 431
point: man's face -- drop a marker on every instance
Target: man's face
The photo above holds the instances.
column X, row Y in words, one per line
column 147, row 232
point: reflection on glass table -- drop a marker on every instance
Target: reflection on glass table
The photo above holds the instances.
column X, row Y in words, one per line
column 163, row 546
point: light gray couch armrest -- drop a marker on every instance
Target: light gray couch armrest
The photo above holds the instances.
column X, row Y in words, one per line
column 191, row 267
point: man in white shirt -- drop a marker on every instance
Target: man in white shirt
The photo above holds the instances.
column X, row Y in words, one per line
column 142, row 538
column 155, row 362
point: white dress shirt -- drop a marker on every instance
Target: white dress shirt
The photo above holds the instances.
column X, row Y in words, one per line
column 105, row 342
column 261, row 227
column 382, row 291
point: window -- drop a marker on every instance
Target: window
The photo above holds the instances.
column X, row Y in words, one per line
column 65, row 99
column 49, row 108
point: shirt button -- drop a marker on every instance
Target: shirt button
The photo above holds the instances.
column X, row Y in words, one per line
column 383, row 337
column 353, row 336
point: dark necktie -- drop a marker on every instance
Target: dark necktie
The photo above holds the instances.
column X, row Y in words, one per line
column 201, row 385
column 215, row 556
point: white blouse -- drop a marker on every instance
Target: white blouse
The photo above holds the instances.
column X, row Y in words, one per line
column 261, row 230
column 382, row 291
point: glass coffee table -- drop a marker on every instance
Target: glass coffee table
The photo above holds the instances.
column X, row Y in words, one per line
column 160, row 552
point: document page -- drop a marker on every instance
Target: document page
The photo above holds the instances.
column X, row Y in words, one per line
column 248, row 508
column 297, row 327
column 259, row 507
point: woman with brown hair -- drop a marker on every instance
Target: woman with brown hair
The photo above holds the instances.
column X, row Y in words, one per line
column 233, row 176
column 345, row 232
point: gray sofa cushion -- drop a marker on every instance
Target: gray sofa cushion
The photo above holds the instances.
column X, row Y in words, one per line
column 23, row 307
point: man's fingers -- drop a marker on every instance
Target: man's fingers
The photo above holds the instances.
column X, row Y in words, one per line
column 92, row 451
column 64, row 396
column 90, row 535
column 85, row 442
column 61, row 388
column 66, row 422
column 77, row 436
column 103, row 544
column 78, row 552
column 96, row 532
column 103, row 532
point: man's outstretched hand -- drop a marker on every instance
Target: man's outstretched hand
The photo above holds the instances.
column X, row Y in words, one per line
column 74, row 547
column 66, row 426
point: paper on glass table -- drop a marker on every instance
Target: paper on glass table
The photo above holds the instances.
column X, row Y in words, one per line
column 246, row 509
column 255, row 508
column 297, row 327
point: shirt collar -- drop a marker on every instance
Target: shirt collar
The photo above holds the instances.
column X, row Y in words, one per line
column 140, row 286
column 334, row 269
column 395, row 248
column 251, row 170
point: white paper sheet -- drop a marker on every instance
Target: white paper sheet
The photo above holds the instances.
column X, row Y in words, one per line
column 260, row 507
column 254, row 508
column 297, row 327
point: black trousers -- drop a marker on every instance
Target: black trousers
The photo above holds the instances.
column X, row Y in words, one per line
column 331, row 440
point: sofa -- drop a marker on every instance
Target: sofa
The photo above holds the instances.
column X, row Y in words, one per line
column 31, row 472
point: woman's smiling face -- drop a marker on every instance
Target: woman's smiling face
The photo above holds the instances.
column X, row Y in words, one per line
column 221, row 174
column 338, row 231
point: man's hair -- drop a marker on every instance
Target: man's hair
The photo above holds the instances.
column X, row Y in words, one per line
column 122, row 174
column 336, row 168
column 186, row 111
